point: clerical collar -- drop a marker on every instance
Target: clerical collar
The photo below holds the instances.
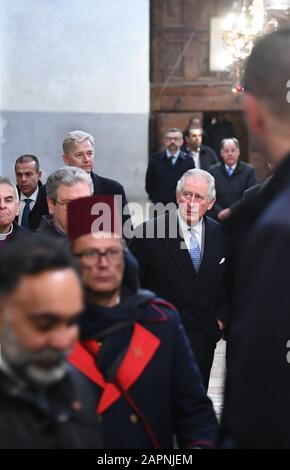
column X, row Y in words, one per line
column 4, row 236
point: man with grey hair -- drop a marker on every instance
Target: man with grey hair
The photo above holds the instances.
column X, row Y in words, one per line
column 79, row 151
column 182, row 259
column 62, row 187
column 9, row 210
column 257, row 405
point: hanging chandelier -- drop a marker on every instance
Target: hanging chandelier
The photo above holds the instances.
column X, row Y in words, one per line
column 247, row 21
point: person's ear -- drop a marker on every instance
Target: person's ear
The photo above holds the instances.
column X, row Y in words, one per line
column 51, row 205
column 255, row 113
column 66, row 159
column 210, row 206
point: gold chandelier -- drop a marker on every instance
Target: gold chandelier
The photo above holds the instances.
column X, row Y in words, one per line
column 244, row 24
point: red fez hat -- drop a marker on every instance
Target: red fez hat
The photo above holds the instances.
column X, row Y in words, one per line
column 94, row 214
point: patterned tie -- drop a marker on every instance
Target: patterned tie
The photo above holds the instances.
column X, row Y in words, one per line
column 230, row 171
column 25, row 214
column 194, row 251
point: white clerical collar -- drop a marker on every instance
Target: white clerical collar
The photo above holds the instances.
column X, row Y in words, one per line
column 33, row 196
column 4, row 236
column 185, row 227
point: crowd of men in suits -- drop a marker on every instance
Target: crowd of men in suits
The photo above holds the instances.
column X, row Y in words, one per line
column 151, row 309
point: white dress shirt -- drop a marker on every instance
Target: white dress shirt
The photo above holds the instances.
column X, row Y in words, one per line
column 196, row 158
column 33, row 198
column 233, row 167
column 186, row 232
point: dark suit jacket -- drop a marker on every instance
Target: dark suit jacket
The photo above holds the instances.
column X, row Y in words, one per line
column 162, row 176
column 167, row 269
column 230, row 189
column 257, row 411
column 207, row 157
column 40, row 208
column 111, row 188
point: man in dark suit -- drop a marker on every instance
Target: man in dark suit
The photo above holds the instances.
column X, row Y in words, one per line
column 257, row 406
column 182, row 259
column 32, row 193
column 232, row 177
column 166, row 168
column 79, row 151
column 9, row 210
column 203, row 156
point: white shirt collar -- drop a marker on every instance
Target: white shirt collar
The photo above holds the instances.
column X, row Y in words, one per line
column 175, row 155
column 4, row 236
column 233, row 167
column 33, row 196
column 186, row 228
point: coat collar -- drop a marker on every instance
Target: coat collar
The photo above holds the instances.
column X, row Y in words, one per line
column 142, row 348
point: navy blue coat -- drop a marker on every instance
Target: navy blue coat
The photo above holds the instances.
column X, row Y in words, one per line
column 230, row 189
column 147, row 384
column 40, row 208
column 257, row 411
column 162, row 176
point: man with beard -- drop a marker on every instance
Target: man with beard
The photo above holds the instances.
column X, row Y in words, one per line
column 133, row 349
column 44, row 404
column 166, row 168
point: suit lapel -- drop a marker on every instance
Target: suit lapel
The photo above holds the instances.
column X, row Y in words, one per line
column 96, row 183
column 141, row 350
column 177, row 249
column 208, row 246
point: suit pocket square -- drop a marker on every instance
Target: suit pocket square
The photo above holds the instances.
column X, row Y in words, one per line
column 222, row 261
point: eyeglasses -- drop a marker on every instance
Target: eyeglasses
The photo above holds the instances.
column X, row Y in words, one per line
column 93, row 256
column 63, row 204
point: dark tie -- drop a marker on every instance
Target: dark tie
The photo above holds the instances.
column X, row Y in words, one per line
column 25, row 214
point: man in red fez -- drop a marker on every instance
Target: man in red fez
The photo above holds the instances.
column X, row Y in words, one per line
column 133, row 348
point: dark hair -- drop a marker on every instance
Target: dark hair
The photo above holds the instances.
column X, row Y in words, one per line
column 267, row 72
column 33, row 254
column 28, row 158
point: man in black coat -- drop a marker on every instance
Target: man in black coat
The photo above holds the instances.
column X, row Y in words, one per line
column 9, row 210
column 232, row 177
column 165, row 248
column 257, row 407
column 44, row 403
column 62, row 187
column 32, row 194
column 79, row 151
column 203, row 156
column 166, row 168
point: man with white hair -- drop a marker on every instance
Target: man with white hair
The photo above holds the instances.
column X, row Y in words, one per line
column 182, row 259
column 9, row 210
